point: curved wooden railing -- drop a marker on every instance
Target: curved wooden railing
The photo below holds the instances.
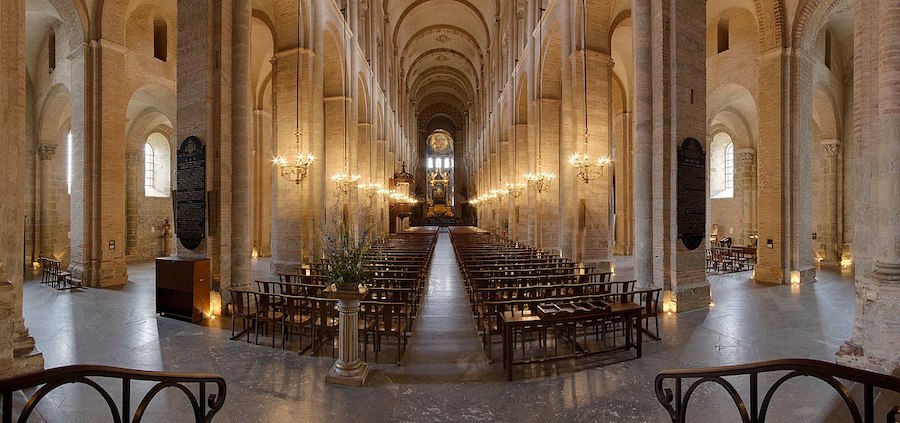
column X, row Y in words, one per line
column 50, row 379
column 832, row 374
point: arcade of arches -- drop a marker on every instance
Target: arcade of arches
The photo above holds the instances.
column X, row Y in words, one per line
column 797, row 103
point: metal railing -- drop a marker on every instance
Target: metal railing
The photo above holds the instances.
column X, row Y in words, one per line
column 677, row 404
column 50, row 379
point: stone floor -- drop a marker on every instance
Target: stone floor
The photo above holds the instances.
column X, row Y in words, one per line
column 445, row 376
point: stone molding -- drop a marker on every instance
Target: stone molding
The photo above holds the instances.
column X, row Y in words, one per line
column 832, row 147
column 746, row 155
column 46, row 150
column 133, row 157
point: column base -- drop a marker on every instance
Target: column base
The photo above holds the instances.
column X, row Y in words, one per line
column 352, row 377
column 692, row 298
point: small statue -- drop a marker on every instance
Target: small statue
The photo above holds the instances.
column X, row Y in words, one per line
column 166, row 227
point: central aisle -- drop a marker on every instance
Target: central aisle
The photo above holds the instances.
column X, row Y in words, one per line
column 445, row 343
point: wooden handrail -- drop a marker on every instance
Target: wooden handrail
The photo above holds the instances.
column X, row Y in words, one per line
column 50, row 379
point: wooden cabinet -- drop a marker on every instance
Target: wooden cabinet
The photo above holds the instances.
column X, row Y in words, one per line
column 182, row 287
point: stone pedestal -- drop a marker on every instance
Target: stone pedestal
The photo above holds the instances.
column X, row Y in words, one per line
column 348, row 369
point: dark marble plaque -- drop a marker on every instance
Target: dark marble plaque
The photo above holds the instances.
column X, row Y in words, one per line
column 691, row 193
column 190, row 197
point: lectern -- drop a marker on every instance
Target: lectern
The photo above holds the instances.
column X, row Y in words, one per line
column 182, row 287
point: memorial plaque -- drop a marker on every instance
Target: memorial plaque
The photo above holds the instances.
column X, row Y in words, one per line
column 691, row 193
column 190, row 197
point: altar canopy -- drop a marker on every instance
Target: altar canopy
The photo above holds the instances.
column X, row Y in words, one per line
column 440, row 196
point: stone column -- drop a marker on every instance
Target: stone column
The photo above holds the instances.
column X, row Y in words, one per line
column 205, row 64
column 133, row 172
column 772, row 223
column 643, row 147
column 679, row 112
column 876, row 250
column 747, row 172
column 46, row 151
column 17, row 351
column 593, row 209
column 240, row 146
column 832, row 244
column 98, row 219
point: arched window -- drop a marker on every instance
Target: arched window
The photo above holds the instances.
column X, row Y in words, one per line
column 148, row 167
column 160, row 39
column 51, row 51
column 729, row 166
column 723, row 36
column 721, row 166
column 157, row 164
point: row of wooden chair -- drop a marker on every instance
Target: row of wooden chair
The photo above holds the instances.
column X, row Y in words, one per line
column 731, row 259
column 297, row 308
column 504, row 277
column 53, row 275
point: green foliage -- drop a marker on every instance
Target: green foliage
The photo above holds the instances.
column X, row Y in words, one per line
column 346, row 255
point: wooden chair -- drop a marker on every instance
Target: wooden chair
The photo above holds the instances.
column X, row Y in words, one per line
column 269, row 313
column 243, row 307
column 324, row 320
column 296, row 316
column 649, row 300
column 392, row 322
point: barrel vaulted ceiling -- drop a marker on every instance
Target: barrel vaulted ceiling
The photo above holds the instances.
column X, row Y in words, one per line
column 442, row 46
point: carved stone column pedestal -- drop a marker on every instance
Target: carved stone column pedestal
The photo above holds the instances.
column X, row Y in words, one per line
column 348, row 369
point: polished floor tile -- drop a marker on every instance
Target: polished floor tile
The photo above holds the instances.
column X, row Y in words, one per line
column 445, row 375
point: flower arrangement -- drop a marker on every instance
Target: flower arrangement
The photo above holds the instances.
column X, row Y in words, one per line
column 345, row 256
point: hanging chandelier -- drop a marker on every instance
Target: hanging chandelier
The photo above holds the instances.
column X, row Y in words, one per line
column 540, row 181
column 516, row 189
column 345, row 181
column 297, row 169
column 588, row 170
column 369, row 190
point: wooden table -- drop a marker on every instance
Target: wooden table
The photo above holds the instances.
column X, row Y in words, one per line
column 630, row 312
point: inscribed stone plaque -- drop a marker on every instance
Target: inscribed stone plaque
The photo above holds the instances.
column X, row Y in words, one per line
column 190, row 197
column 691, row 193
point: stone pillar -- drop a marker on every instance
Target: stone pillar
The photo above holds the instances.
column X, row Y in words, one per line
column 205, row 64
column 832, row 184
column 745, row 157
column 98, row 219
column 772, row 224
column 643, row 146
column 17, row 351
column 46, row 151
column 593, row 213
column 134, row 174
column 240, row 146
column 679, row 112
column 875, row 342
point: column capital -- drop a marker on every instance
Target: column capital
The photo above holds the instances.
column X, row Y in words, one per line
column 46, row 150
column 132, row 157
column 746, row 155
column 832, row 147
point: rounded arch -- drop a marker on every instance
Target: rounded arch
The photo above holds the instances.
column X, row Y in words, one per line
column 826, row 116
column 55, row 112
column 551, row 66
column 334, row 79
column 151, row 97
column 739, row 105
column 77, row 31
column 813, row 15
column 291, row 32
column 522, row 100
